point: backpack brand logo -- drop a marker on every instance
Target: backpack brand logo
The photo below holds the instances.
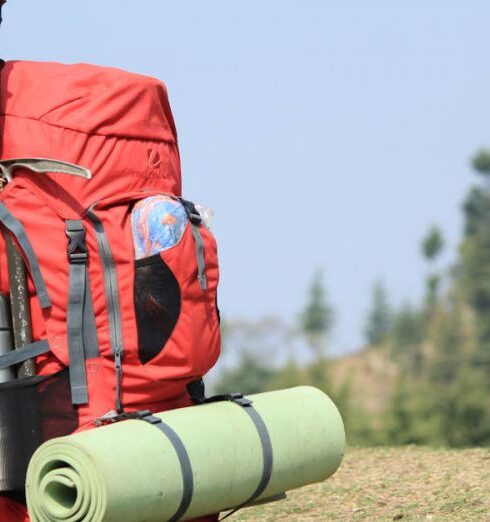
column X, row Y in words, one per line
column 154, row 159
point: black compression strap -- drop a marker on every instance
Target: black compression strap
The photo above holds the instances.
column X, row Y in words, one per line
column 185, row 464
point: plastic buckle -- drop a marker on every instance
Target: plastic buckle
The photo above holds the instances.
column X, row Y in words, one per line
column 77, row 249
column 191, row 211
column 195, row 219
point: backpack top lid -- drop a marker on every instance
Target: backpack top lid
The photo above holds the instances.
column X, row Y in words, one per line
column 87, row 98
column 117, row 124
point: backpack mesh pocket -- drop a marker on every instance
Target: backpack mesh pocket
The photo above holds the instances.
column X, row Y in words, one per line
column 32, row 411
column 157, row 305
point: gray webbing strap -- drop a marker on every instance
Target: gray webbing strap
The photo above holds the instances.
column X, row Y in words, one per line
column 195, row 389
column 82, row 336
column 195, row 221
column 90, row 341
column 29, row 351
column 16, row 228
column 267, row 453
column 185, row 464
column 201, row 265
column 113, row 301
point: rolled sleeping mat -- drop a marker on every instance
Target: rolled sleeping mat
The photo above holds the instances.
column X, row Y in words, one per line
column 187, row 463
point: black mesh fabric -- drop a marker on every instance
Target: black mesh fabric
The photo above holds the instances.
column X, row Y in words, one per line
column 157, row 303
column 32, row 411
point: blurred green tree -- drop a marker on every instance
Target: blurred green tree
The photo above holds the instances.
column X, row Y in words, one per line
column 433, row 243
column 317, row 317
column 465, row 409
column 474, row 261
column 411, row 417
column 481, row 161
column 432, row 247
column 449, row 342
column 250, row 375
column 406, row 337
column 379, row 317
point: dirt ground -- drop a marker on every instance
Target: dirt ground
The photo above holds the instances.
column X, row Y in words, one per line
column 408, row 483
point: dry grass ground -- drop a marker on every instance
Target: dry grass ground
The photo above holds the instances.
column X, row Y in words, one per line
column 392, row 484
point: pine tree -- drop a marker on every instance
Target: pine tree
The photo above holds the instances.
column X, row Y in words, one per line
column 316, row 319
column 432, row 246
column 379, row 317
column 475, row 256
column 406, row 336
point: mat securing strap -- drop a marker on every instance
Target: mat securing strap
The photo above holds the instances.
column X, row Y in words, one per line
column 265, row 441
column 185, row 464
column 184, row 460
column 196, row 392
column 267, row 454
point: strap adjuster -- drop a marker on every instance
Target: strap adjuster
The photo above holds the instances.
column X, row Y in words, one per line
column 192, row 213
column 237, row 398
column 78, row 257
column 112, row 416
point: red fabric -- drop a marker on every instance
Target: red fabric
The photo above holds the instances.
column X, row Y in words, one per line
column 120, row 126
column 11, row 511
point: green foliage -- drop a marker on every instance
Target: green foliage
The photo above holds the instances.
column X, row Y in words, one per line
column 447, row 400
column 379, row 317
column 317, row 374
column 465, row 408
column 358, row 428
column 432, row 284
column 449, row 345
column 481, row 161
column 432, row 246
column 287, row 376
column 251, row 375
column 474, row 262
column 411, row 417
column 440, row 349
column 406, row 337
column 316, row 319
column 475, row 273
column 476, row 211
column 433, row 243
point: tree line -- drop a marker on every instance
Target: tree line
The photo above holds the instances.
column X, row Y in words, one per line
column 440, row 346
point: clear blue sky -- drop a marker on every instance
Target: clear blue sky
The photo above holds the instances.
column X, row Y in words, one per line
column 322, row 135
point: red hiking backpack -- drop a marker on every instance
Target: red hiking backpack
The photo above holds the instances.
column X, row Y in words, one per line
column 113, row 331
